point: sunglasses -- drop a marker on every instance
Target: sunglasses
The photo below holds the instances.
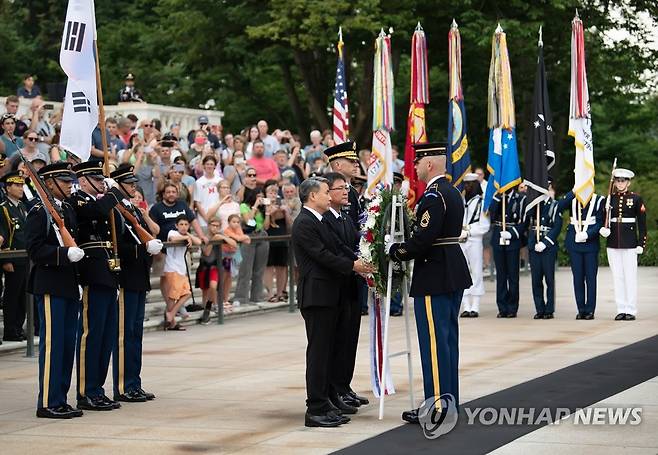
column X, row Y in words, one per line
column 148, row 125
column 251, row 175
column 33, row 139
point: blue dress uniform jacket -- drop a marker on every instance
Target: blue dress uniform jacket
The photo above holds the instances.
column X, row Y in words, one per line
column 584, row 256
column 628, row 221
column 53, row 281
column 506, row 257
column 134, row 282
column 542, row 265
column 438, row 268
column 439, row 278
column 97, row 327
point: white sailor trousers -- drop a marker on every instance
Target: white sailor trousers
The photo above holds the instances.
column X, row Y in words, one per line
column 623, row 265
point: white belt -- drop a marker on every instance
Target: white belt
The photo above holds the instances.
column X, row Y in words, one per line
column 585, row 222
column 622, row 220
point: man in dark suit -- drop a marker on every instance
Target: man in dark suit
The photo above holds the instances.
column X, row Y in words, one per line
column 349, row 317
column 320, row 264
column 439, row 278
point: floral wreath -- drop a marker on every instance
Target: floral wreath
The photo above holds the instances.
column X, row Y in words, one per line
column 371, row 244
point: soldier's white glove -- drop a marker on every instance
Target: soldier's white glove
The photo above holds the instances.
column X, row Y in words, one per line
column 154, row 246
column 540, row 246
column 507, row 235
column 110, row 183
column 639, row 250
column 604, row 231
column 464, row 235
column 388, row 243
column 581, row 237
column 75, row 254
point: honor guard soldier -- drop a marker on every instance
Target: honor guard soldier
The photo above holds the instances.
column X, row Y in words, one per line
column 129, row 93
column 12, row 229
column 542, row 249
column 440, row 275
column 134, row 283
column 627, row 238
column 54, row 284
column 97, row 328
column 582, row 243
column 506, row 245
column 476, row 225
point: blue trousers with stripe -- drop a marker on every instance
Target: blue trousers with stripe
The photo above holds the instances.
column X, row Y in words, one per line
column 542, row 268
column 584, row 268
column 127, row 356
column 57, row 330
column 438, row 337
column 96, row 338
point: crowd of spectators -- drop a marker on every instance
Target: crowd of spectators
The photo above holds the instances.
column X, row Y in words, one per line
column 234, row 186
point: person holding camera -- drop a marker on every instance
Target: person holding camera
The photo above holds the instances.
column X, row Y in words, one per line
column 266, row 168
column 277, row 261
column 255, row 223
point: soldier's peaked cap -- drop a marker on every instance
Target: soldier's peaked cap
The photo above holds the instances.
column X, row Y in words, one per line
column 345, row 150
column 13, row 177
column 89, row 168
column 429, row 149
column 623, row 173
column 471, row 177
column 124, row 174
column 60, row 171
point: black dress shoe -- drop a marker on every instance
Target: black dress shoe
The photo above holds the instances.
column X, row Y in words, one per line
column 340, row 404
column 359, row 398
column 60, row 412
column 511, row 315
column 74, row 412
column 131, row 397
column 323, row 421
column 538, row 316
column 149, row 396
column 410, row 416
column 342, row 419
column 350, row 400
column 501, row 315
column 94, row 404
column 110, row 401
column 620, row 317
column 589, row 316
column 364, row 312
column 580, row 316
column 548, row 316
column 474, row 314
column 396, row 313
column 629, row 317
column 465, row 314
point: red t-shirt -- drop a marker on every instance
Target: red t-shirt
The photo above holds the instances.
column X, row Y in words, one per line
column 266, row 168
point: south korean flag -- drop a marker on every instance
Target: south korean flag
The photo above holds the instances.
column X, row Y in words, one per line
column 77, row 59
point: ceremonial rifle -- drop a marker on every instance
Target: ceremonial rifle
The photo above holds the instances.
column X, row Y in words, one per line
column 607, row 200
column 48, row 202
column 144, row 235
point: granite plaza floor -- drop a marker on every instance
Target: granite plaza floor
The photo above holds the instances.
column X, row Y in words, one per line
column 239, row 388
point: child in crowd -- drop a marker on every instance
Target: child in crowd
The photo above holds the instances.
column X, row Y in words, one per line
column 175, row 271
column 230, row 254
column 207, row 275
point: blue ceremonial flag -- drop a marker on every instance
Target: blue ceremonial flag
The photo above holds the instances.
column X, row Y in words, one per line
column 459, row 159
column 503, row 163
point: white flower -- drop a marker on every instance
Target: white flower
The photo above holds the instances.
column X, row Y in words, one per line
column 370, row 222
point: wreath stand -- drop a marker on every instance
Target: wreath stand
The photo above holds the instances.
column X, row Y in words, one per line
column 397, row 233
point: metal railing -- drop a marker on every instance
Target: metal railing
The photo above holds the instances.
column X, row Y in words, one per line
column 29, row 301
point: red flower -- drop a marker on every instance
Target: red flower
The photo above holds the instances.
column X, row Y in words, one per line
column 375, row 209
column 370, row 282
column 370, row 237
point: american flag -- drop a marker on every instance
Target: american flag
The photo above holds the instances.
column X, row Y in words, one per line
column 341, row 114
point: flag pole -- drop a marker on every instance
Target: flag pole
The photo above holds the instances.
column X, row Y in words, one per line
column 114, row 262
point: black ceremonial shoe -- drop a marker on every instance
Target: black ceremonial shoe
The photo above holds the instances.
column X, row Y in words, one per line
column 108, row 400
column 465, row 314
column 131, row 397
column 538, row 316
column 501, row 315
column 548, row 316
column 589, row 316
column 149, row 396
column 410, row 416
column 359, row 398
column 342, row 419
column 620, row 317
column 344, row 407
column 350, row 400
column 475, row 314
column 580, row 316
column 54, row 413
column 323, row 421
column 74, row 412
column 629, row 317
column 511, row 315
column 94, row 404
